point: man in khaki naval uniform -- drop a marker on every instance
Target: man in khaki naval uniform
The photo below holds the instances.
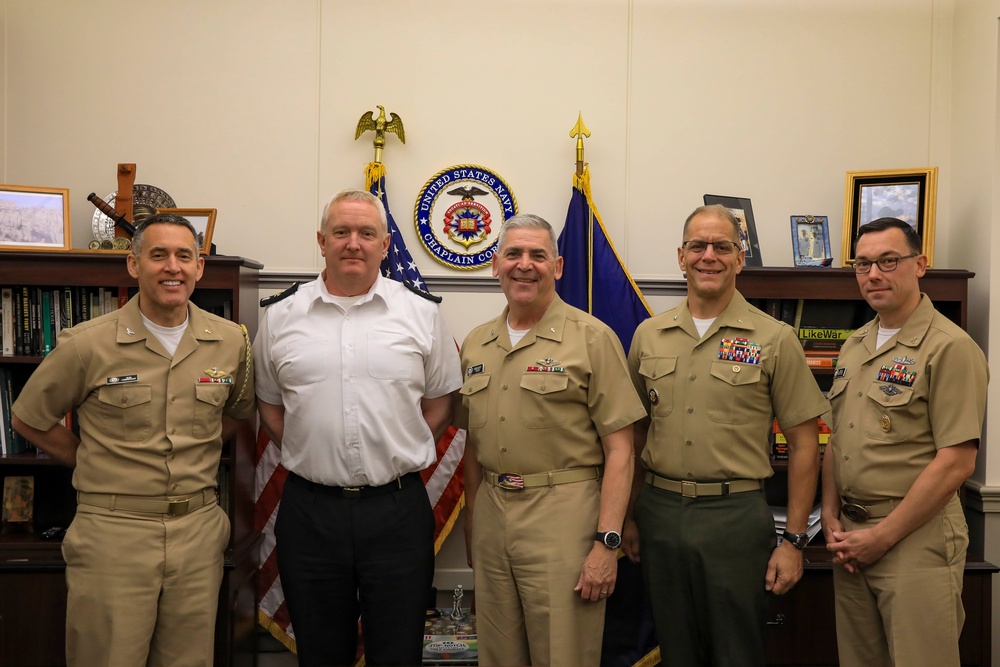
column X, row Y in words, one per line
column 549, row 410
column 909, row 397
column 713, row 373
column 157, row 386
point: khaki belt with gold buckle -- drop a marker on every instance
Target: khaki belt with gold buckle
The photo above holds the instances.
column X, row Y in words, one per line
column 516, row 482
column 173, row 506
column 701, row 489
column 860, row 511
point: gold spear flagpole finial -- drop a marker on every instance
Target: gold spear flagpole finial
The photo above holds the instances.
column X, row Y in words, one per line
column 369, row 122
column 579, row 131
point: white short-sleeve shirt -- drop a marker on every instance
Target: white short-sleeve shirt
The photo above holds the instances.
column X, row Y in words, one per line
column 351, row 381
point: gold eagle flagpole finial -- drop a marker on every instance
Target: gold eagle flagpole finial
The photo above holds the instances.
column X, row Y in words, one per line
column 579, row 131
column 369, row 122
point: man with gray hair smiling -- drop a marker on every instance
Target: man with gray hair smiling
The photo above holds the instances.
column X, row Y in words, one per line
column 355, row 375
column 549, row 408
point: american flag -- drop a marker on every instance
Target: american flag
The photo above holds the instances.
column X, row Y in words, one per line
column 443, row 480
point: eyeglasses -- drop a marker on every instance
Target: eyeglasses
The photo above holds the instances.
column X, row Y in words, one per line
column 885, row 264
column 720, row 247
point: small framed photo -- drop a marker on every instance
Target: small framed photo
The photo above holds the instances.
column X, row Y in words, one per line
column 740, row 207
column 203, row 220
column 34, row 219
column 907, row 194
column 811, row 240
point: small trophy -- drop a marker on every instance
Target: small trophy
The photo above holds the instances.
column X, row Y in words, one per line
column 456, row 608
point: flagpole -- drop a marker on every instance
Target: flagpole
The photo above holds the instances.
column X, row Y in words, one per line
column 580, row 131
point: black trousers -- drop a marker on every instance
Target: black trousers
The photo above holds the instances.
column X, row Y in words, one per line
column 341, row 558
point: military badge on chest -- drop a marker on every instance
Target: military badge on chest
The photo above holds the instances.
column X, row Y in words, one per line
column 739, row 349
column 547, row 365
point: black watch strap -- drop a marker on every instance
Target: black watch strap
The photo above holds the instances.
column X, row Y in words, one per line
column 798, row 540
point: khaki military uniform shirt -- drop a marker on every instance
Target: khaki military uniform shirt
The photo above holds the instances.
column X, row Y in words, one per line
column 544, row 405
column 932, row 394
column 149, row 425
column 712, row 400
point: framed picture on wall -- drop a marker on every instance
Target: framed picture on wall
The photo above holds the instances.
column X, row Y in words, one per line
column 203, row 220
column 740, row 207
column 811, row 240
column 907, row 194
column 34, row 219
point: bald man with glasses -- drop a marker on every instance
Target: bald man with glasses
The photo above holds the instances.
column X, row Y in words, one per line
column 909, row 397
column 713, row 374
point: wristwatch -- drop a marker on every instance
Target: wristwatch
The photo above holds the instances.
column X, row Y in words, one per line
column 798, row 540
column 612, row 539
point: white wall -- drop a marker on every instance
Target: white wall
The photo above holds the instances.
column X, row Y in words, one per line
column 250, row 108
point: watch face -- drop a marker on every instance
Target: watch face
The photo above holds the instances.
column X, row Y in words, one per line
column 612, row 540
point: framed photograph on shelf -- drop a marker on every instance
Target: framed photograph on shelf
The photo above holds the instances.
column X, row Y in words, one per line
column 34, row 219
column 740, row 207
column 907, row 194
column 811, row 240
column 203, row 220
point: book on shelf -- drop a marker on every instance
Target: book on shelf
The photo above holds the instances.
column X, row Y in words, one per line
column 779, row 443
column 821, row 361
column 7, row 313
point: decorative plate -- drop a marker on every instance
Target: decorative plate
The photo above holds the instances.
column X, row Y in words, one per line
column 145, row 200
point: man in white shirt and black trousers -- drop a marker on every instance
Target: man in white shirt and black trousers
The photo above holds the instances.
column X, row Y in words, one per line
column 354, row 382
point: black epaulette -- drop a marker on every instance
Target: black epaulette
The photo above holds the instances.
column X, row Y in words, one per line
column 420, row 292
column 275, row 298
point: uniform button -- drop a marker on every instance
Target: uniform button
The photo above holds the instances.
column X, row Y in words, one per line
column 697, row 347
column 690, row 410
column 846, row 457
column 542, row 388
column 503, row 419
column 859, row 394
column 173, row 399
column 503, row 450
column 689, row 475
column 693, row 376
column 173, row 431
column 736, row 369
column 505, row 387
column 851, row 425
column 688, row 443
column 509, row 357
column 124, row 400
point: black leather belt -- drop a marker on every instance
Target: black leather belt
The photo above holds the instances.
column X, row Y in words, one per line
column 860, row 511
column 356, row 492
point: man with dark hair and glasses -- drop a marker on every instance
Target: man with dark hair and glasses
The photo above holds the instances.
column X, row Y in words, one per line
column 909, row 397
column 157, row 386
column 713, row 374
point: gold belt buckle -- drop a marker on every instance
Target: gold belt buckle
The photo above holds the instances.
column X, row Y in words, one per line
column 178, row 507
column 689, row 489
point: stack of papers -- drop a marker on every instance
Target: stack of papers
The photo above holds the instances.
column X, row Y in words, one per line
column 781, row 517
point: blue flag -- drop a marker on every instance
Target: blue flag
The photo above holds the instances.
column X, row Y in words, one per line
column 595, row 280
